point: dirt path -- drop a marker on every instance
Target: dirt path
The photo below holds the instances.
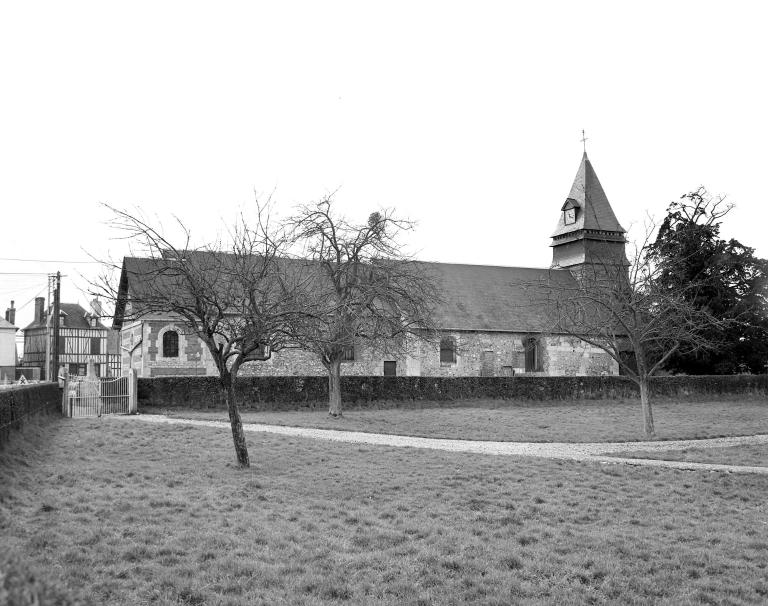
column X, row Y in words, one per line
column 594, row 451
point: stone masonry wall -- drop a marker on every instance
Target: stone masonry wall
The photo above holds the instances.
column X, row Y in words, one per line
column 478, row 354
column 569, row 356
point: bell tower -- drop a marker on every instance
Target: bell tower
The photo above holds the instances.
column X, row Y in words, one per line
column 587, row 231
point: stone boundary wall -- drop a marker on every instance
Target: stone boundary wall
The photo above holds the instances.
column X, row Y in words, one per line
column 286, row 393
column 18, row 404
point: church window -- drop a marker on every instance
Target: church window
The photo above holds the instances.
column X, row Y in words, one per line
column 171, row 344
column 447, row 350
column 348, row 354
column 532, row 363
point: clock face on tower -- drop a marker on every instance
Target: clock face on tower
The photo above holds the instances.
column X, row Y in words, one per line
column 569, row 216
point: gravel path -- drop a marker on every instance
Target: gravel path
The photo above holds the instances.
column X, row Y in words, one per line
column 594, row 451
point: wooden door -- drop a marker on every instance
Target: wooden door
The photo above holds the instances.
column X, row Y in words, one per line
column 488, row 364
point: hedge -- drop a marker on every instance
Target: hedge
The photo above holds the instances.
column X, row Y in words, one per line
column 283, row 393
column 21, row 402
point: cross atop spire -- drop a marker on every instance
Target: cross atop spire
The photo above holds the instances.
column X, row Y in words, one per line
column 584, row 140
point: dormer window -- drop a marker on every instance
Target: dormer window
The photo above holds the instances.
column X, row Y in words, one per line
column 570, row 211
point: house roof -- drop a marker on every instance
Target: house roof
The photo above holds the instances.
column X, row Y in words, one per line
column 6, row 324
column 72, row 316
column 595, row 212
column 475, row 297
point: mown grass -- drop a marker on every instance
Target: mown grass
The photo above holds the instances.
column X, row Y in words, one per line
column 134, row 513
column 592, row 421
column 754, row 455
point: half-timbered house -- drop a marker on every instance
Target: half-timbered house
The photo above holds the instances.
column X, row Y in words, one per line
column 82, row 337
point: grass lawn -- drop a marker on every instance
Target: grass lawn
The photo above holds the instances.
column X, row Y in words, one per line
column 592, row 421
column 750, row 455
column 135, row 513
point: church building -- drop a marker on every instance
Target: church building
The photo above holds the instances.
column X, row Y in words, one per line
column 489, row 325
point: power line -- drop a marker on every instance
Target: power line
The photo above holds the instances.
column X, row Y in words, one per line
column 19, row 291
column 45, row 260
column 33, row 298
column 23, row 273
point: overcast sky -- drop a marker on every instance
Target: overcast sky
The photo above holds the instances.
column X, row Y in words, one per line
column 465, row 117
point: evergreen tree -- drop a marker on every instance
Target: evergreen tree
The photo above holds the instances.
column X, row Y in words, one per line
column 732, row 283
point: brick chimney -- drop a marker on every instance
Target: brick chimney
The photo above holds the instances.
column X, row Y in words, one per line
column 96, row 308
column 40, row 310
column 10, row 314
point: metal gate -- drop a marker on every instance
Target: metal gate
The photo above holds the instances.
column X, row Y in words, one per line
column 95, row 396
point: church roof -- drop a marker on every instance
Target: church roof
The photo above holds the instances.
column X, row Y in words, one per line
column 474, row 297
column 491, row 298
column 595, row 211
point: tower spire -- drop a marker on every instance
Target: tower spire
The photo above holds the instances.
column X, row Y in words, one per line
column 587, row 230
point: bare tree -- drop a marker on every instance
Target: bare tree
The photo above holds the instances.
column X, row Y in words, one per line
column 364, row 288
column 237, row 298
column 633, row 316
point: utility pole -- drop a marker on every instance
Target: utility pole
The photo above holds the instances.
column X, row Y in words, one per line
column 55, row 345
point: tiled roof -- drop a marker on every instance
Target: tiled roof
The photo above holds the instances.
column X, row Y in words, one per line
column 594, row 211
column 491, row 298
column 74, row 316
column 475, row 297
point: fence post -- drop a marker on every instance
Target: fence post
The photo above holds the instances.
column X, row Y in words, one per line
column 133, row 406
column 65, row 398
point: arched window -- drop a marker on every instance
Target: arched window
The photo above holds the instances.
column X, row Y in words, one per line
column 531, row 346
column 348, row 353
column 448, row 350
column 171, row 344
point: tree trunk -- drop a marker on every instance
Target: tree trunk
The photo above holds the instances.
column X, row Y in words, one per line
column 645, row 402
column 238, row 437
column 334, row 388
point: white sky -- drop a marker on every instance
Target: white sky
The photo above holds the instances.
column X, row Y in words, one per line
column 465, row 117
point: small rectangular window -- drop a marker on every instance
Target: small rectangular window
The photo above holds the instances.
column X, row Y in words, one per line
column 95, row 346
column 62, row 344
column 390, row 368
column 447, row 350
column 348, row 354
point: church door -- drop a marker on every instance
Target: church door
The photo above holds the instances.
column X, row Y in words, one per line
column 488, row 364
